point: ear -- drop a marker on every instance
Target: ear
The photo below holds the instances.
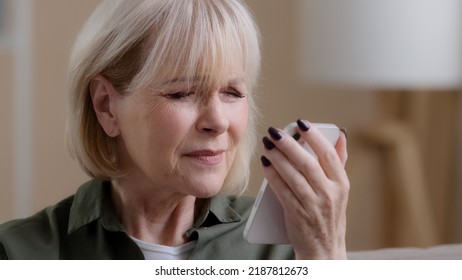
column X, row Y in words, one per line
column 104, row 98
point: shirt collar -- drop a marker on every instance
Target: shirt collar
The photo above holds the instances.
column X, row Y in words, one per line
column 92, row 201
column 222, row 208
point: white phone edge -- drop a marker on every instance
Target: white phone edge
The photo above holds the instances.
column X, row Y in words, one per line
column 266, row 223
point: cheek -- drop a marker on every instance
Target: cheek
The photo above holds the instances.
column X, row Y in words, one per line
column 170, row 119
column 239, row 122
column 152, row 127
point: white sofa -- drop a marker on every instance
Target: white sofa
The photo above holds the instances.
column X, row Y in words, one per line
column 440, row 252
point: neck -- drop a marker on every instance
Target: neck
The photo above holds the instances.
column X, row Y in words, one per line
column 153, row 215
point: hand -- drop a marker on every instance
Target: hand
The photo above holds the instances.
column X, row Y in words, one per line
column 313, row 193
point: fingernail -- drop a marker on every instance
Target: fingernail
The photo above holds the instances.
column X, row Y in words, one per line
column 344, row 130
column 265, row 161
column 296, row 136
column 303, row 125
column 274, row 133
column 267, row 143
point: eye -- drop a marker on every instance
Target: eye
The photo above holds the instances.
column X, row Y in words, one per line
column 233, row 93
column 179, row 95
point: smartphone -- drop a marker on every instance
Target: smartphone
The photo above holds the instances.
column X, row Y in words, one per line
column 266, row 221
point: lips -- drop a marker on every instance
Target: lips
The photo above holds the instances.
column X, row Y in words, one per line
column 210, row 157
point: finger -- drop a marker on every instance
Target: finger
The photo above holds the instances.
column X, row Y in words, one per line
column 284, row 166
column 341, row 147
column 327, row 154
column 280, row 188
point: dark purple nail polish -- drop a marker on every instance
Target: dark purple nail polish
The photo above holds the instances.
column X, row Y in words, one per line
column 296, row 136
column 344, row 130
column 267, row 143
column 303, row 125
column 274, row 133
column 265, row 161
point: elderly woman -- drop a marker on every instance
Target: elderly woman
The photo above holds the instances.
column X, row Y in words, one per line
column 162, row 116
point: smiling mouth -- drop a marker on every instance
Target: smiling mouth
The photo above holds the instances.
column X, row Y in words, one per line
column 207, row 156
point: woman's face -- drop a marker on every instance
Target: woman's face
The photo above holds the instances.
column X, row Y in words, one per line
column 181, row 138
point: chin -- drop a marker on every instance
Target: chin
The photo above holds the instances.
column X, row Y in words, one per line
column 203, row 184
column 208, row 189
column 206, row 193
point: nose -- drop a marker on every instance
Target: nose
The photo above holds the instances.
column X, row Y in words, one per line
column 212, row 119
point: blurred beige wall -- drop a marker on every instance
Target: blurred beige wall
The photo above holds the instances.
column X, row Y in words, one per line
column 6, row 156
column 282, row 99
column 55, row 24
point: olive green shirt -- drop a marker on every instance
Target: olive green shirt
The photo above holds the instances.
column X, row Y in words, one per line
column 85, row 226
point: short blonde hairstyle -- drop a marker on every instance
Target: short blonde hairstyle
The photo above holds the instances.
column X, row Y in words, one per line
column 137, row 43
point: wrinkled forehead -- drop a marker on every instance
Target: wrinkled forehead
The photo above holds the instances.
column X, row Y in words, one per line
column 209, row 64
column 202, row 84
column 208, row 78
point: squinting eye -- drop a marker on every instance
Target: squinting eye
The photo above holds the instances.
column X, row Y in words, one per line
column 179, row 95
column 234, row 93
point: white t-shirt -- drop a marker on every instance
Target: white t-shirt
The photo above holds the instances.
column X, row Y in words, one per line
column 153, row 251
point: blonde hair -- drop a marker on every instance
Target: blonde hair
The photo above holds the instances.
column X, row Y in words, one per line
column 137, row 43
